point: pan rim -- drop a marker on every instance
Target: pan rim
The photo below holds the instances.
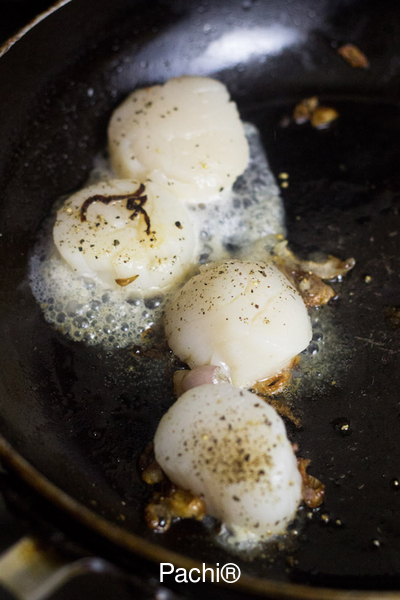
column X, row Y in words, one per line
column 8, row 44
column 135, row 544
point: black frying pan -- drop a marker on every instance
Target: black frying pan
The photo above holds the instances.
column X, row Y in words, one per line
column 73, row 421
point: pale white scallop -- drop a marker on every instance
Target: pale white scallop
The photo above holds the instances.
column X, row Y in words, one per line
column 187, row 130
column 232, row 447
column 110, row 245
column 245, row 317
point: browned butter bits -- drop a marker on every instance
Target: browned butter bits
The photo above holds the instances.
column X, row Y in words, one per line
column 353, row 55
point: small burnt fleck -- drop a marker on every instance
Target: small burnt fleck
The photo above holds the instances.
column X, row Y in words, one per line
column 353, row 56
column 392, row 317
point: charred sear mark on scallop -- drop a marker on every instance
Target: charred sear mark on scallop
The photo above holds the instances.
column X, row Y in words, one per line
column 134, row 202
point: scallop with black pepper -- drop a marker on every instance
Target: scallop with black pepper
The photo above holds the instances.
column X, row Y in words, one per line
column 245, row 317
column 229, row 446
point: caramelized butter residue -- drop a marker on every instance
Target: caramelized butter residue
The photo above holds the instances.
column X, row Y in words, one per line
column 307, row 275
column 272, row 385
column 323, row 116
column 311, row 288
column 354, row 56
column 283, row 410
column 168, row 502
column 313, row 491
column 126, row 280
column 150, row 471
column 268, row 388
column 303, row 110
column 309, row 110
column 174, row 504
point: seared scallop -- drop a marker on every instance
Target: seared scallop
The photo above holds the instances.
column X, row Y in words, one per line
column 186, row 131
column 231, row 448
column 127, row 236
column 245, row 317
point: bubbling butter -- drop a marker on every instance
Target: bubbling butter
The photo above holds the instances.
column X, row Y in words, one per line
column 84, row 309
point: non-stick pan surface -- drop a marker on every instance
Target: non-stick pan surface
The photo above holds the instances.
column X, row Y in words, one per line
column 82, row 416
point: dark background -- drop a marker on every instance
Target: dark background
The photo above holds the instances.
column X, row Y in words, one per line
column 15, row 14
